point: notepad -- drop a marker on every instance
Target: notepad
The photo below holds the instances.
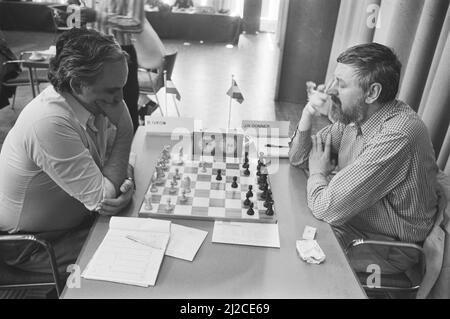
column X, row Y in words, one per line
column 185, row 242
column 131, row 252
column 252, row 234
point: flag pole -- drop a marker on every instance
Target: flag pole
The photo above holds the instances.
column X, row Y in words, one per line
column 229, row 107
column 165, row 90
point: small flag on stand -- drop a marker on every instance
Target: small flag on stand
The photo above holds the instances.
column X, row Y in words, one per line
column 171, row 89
column 235, row 93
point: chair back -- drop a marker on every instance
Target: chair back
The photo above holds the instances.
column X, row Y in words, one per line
column 7, row 71
column 13, row 278
column 26, row 16
column 169, row 63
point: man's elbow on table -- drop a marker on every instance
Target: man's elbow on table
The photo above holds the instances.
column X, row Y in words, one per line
column 329, row 215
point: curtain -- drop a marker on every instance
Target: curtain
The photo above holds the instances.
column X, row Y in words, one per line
column 418, row 31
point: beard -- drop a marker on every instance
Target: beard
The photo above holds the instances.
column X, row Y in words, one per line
column 354, row 114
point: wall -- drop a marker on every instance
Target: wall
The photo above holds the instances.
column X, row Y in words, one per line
column 307, row 44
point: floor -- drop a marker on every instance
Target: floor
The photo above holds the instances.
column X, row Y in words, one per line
column 202, row 75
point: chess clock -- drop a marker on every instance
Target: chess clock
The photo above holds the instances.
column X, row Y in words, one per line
column 218, row 144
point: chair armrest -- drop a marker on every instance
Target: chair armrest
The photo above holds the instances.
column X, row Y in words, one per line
column 13, row 61
column 47, row 246
column 359, row 242
column 140, row 69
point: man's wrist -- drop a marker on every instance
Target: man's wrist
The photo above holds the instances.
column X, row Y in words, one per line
column 309, row 110
column 317, row 173
column 131, row 179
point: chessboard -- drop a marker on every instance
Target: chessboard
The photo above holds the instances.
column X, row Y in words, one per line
column 232, row 189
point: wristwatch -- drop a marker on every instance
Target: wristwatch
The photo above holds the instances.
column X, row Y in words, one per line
column 131, row 179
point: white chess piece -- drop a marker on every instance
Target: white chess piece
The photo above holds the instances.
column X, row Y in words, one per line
column 169, row 205
column 187, row 184
column 148, row 202
column 183, row 198
column 172, row 189
column 203, row 167
column 180, row 157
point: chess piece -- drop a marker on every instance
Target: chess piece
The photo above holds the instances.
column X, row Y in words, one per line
column 172, row 189
column 269, row 198
column 246, row 172
column 219, row 175
column 261, row 159
column 234, row 184
column 246, row 165
column 169, row 205
column 159, row 175
column 269, row 211
column 166, row 153
column 153, row 188
column 250, row 210
column 177, row 174
column 180, row 157
column 264, row 194
column 203, row 167
column 148, row 202
column 247, row 201
column 183, row 198
column 187, row 184
column 249, row 193
column 174, row 180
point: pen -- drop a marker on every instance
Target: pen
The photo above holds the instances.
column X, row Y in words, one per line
column 280, row 146
column 141, row 242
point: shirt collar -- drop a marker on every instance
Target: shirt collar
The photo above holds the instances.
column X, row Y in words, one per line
column 81, row 113
column 374, row 122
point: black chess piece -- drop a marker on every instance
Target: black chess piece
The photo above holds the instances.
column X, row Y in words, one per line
column 249, row 193
column 250, row 210
column 234, row 184
column 246, row 172
column 262, row 179
column 269, row 198
column 264, row 194
column 245, row 165
column 269, row 211
column 263, row 186
column 219, row 175
column 247, row 201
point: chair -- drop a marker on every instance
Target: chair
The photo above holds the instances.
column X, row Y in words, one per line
column 32, row 76
column 152, row 80
column 391, row 283
column 409, row 284
column 14, row 278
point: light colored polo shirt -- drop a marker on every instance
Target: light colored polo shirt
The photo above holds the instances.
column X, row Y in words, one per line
column 50, row 167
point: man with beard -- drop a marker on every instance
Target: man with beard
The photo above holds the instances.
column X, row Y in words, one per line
column 385, row 182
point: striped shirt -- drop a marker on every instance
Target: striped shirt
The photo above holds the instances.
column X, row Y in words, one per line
column 120, row 18
column 386, row 176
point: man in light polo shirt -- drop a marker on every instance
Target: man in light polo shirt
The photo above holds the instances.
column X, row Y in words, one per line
column 67, row 155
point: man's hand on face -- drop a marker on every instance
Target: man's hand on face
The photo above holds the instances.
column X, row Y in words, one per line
column 318, row 101
column 112, row 206
column 112, row 111
column 319, row 157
